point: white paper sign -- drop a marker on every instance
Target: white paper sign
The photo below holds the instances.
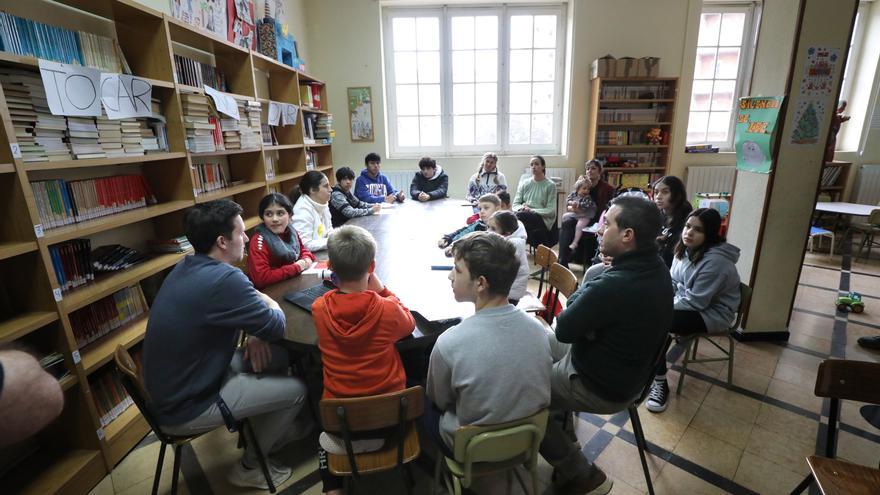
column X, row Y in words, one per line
column 223, row 102
column 288, row 114
column 71, row 90
column 274, row 113
column 125, row 96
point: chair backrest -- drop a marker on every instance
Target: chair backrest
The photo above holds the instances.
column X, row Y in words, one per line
column 563, row 280
column 544, row 257
column 373, row 412
column 874, row 217
column 134, row 385
column 745, row 295
column 499, row 442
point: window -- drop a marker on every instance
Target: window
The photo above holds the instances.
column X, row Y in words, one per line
column 853, row 52
column 462, row 81
column 724, row 60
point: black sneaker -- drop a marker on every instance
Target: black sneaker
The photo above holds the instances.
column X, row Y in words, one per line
column 659, row 396
column 872, row 342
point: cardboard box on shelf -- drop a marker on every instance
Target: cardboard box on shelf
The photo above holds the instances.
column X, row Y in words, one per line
column 603, row 67
column 649, row 67
column 627, row 67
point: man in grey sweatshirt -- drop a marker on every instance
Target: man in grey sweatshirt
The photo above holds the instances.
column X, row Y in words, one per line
column 493, row 367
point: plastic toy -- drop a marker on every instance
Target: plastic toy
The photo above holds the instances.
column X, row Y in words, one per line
column 851, row 301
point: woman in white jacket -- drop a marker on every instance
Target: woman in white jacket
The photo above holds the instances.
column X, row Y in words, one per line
column 311, row 210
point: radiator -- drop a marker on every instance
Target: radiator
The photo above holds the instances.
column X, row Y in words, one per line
column 400, row 179
column 867, row 188
column 710, row 180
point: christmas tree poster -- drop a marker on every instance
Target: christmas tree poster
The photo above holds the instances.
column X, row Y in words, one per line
column 755, row 131
column 808, row 115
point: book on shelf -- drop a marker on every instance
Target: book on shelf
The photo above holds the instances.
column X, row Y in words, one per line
column 61, row 202
column 636, row 91
column 701, row 148
column 98, row 319
column 268, row 133
column 311, row 159
column 71, row 263
column 109, row 395
column 202, row 127
column 830, row 173
column 53, row 363
column 41, row 136
column 249, row 125
column 269, row 161
column 208, row 177
column 191, row 73
column 174, row 245
column 324, row 127
column 114, row 257
column 310, row 121
column 310, row 95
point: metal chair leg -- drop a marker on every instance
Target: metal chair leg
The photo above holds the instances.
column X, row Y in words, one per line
column 641, row 444
column 177, row 455
column 159, row 468
column 731, row 343
column 264, row 463
column 684, row 365
column 803, row 485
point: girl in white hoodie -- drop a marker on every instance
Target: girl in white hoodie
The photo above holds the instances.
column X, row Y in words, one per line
column 311, row 211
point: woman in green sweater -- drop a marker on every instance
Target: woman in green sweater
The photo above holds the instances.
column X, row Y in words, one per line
column 535, row 203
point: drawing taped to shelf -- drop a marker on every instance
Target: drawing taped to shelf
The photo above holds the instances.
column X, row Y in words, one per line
column 209, row 15
column 242, row 29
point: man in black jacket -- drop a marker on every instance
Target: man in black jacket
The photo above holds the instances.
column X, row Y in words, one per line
column 430, row 182
column 608, row 336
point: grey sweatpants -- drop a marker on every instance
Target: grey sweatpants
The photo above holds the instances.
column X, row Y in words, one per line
column 271, row 400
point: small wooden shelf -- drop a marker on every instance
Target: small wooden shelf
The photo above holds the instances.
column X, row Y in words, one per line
column 74, row 471
column 203, row 40
column 278, row 147
column 8, row 249
column 106, row 285
column 251, row 222
column 286, row 177
column 309, row 109
column 33, row 63
column 304, row 77
column 68, row 381
column 102, row 162
column 638, row 100
column 629, row 146
column 267, row 64
column 201, row 91
column 633, row 169
column 317, row 145
column 101, row 352
column 229, row 191
column 24, row 324
column 7, row 168
column 632, row 124
column 124, row 432
column 82, row 229
column 325, row 168
column 225, row 152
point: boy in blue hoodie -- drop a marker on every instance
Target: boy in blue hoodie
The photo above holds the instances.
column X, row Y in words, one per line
column 372, row 186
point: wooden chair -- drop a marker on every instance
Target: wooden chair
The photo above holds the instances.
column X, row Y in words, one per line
column 840, row 379
column 134, row 385
column 868, row 230
column 545, row 258
column 561, row 281
column 692, row 341
column 490, row 449
column 398, row 410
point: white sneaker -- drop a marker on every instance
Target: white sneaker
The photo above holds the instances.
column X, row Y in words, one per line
column 253, row 478
column 659, row 396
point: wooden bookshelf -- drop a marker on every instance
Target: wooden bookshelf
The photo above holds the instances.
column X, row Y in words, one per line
column 622, row 111
column 80, row 452
column 834, row 184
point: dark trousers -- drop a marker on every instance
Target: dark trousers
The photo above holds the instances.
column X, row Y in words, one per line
column 684, row 322
column 537, row 230
column 586, row 248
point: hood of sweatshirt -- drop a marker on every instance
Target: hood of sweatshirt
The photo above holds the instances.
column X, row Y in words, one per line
column 721, row 251
column 353, row 317
column 370, row 180
column 437, row 173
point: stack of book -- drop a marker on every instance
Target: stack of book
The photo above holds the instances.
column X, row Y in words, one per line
column 191, row 73
column 269, row 161
column 311, row 159
column 17, row 86
column 175, row 245
column 701, row 148
column 324, row 128
column 830, row 173
column 310, row 121
column 110, row 136
column 109, row 395
column 102, row 53
column 231, row 131
column 114, row 257
column 268, row 133
column 82, row 134
column 199, row 129
column 105, row 315
column 71, row 263
column 62, row 203
column 310, row 95
column 148, row 140
column 49, row 129
column 250, row 113
column 131, row 137
column 54, row 365
column 207, row 177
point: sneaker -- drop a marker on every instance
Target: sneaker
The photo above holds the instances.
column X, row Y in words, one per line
column 243, row 477
column 872, row 342
column 595, row 483
column 659, row 396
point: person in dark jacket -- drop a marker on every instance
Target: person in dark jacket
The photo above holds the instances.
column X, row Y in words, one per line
column 603, row 357
column 671, row 198
column 343, row 204
column 430, row 182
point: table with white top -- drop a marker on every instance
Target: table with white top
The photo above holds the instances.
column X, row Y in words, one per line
column 840, row 208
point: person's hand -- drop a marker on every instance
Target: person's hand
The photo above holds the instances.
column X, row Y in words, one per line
column 424, row 197
column 375, row 284
column 401, row 197
column 258, row 353
column 303, row 264
column 376, row 208
column 525, row 208
column 389, row 198
column 442, row 243
column 269, row 301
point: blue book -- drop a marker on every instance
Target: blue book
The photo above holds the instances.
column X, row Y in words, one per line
column 79, row 52
column 42, row 42
column 23, row 35
column 65, row 199
column 57, row 266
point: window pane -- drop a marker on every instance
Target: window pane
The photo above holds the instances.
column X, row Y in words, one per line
column 429, row 99
column 701, row 95
column 463, row 130
column 487, row 129
column 722, row 95
column 719, row 126
column 486, row 33
column 429, row 67
column 544, row 65
column 486, row 65
column 521, row 31
column 542, row 129
column 728, row 63
column 463, row 66
column 709, row 26
column 462, row 99
column 405, row 67
column 520, row 65
column 408, row 131
column 697, row 123
column 486, row 98
column 520, row 97
column 545, row 31
column 519, row 129
column 429, row 131
column 404, row 33
column 407, row 100
column 542, row 97
column 732, row 29
column 462, row 33
column 705, row 66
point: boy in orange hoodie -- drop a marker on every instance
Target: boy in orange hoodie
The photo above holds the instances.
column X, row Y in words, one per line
column 358, row 325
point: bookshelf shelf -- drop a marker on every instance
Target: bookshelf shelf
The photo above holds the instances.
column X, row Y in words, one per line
column 128, row 428
column 308, row 78
column 225, row 152
column 70, row 472
column 325, row 168
column 82, row 229
column 229, row 191
column 33, row 63
column 102, row 162
column 183, row 88
column 317, row 145
column 24, row 324
column 106, row 285
column 312, row 109
column 834, row 177
column 99, row 353
column 67, row 382
column 279, row 147
column 286, row 177
column 10, row 249
column 267, row 64
column 7, row 168
column 202, row 40
column 251, row 222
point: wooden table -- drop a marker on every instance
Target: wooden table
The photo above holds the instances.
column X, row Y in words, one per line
column 851, row 209
column 836, row 477
column 406, row 235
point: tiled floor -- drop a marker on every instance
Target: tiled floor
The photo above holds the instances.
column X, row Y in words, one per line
column 751, row 437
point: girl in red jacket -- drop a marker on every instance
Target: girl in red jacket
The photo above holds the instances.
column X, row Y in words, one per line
column 275, row 252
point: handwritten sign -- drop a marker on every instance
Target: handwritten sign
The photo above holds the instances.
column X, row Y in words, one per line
column 288, row 114
column 224, row 103
column 274, row 113
column 70, row 89
column 125, row 96
column 755, row 131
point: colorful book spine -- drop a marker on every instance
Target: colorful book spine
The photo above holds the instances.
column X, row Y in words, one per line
column 61, row 202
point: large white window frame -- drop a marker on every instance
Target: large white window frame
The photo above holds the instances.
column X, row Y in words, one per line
column 445, row 14
column 855, row 46
column 752, row 11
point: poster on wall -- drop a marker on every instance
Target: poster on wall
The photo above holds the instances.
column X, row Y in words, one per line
column 242, row 30
column 209, row 15
column 819, row 72
column 360, row 113
column 755, row 131
column 808, row 115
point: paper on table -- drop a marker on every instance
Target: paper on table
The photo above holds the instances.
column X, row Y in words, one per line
column 225, row 104
column 317, row 268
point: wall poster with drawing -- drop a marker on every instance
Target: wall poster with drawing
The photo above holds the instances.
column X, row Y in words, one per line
column 360, row 113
